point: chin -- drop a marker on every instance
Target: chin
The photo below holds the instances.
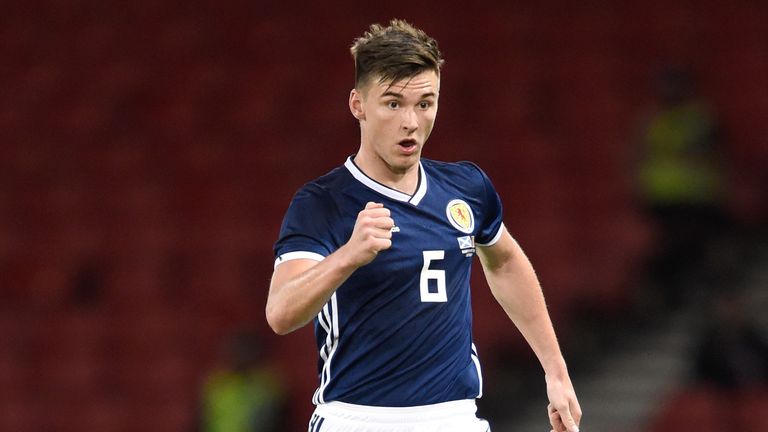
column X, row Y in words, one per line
column 404, row 163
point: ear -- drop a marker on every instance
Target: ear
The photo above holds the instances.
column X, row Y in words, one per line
column 356, row 104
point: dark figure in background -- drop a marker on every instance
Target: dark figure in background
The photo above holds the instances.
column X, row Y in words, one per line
column 732, row 354
column 731, row 366
column 244, row 396
column 680, row 182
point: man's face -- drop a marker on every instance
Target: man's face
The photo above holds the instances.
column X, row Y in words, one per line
column 397, row 118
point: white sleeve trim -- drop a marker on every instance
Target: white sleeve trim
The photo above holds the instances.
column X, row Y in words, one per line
column 495, row 238
column 298, row 255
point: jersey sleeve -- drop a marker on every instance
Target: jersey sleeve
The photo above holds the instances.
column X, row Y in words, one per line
column 307, row 228
column 491, row 220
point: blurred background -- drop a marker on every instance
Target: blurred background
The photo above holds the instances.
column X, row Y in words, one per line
column 149, row 149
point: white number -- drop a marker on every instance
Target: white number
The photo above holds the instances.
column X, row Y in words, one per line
column 437, row 275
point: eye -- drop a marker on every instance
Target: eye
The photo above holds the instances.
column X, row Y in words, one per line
column 393, row 104
column 425, row 104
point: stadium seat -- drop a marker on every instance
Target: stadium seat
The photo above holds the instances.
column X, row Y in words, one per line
column 697, row 408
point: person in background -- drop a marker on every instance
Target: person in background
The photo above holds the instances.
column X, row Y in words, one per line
column 680, row 181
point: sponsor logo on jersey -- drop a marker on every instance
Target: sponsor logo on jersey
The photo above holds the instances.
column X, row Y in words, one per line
column 460, row 216
column 467, row 245
column 395, row 229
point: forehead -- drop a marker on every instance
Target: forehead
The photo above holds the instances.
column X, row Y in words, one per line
column 423, row 83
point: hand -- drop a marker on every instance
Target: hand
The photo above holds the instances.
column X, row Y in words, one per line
column 564, row 410
column 372, row 234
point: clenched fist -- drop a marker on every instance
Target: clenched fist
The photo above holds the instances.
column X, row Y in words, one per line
column 371, row 235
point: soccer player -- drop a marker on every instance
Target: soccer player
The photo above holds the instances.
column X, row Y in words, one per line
column 378, row 253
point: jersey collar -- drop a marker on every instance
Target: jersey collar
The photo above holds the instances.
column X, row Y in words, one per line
column 421, row 188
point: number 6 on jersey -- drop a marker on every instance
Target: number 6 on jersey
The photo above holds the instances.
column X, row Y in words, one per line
column 438, row 276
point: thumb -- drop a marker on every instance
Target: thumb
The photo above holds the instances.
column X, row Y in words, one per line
column 371, row 205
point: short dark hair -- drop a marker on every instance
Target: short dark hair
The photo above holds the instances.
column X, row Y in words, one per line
column 394, row 53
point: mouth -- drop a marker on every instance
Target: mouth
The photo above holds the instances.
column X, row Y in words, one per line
column 408, row 146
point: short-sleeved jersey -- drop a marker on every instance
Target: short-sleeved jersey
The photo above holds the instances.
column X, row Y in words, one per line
column 398, row 331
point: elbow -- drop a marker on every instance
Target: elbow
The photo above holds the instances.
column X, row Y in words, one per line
column 279, row 327
column 278, row 321
column 280, row 330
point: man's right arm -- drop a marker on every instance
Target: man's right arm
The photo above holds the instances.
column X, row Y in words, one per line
column 301, row 287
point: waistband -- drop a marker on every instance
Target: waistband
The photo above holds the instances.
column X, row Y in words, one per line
column 414, row 414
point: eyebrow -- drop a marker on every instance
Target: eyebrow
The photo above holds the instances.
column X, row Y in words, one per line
column 400, row 96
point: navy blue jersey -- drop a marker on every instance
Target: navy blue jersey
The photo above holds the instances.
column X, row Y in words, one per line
column 398, row 332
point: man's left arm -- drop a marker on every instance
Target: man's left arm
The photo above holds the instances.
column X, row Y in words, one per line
column 514, row 284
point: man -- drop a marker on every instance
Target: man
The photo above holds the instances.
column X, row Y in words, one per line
column 378, row 252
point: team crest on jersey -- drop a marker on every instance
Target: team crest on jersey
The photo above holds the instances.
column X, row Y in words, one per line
column 460, row 216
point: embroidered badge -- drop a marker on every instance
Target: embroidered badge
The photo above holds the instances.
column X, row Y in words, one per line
column 467, row 245
column 460, row 216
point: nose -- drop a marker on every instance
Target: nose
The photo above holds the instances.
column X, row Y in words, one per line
column 410, row 121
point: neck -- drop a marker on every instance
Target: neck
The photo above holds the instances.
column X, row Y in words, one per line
column 401, row 179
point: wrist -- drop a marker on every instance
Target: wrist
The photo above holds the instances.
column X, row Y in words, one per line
column 558, row 371
column 345, row 260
